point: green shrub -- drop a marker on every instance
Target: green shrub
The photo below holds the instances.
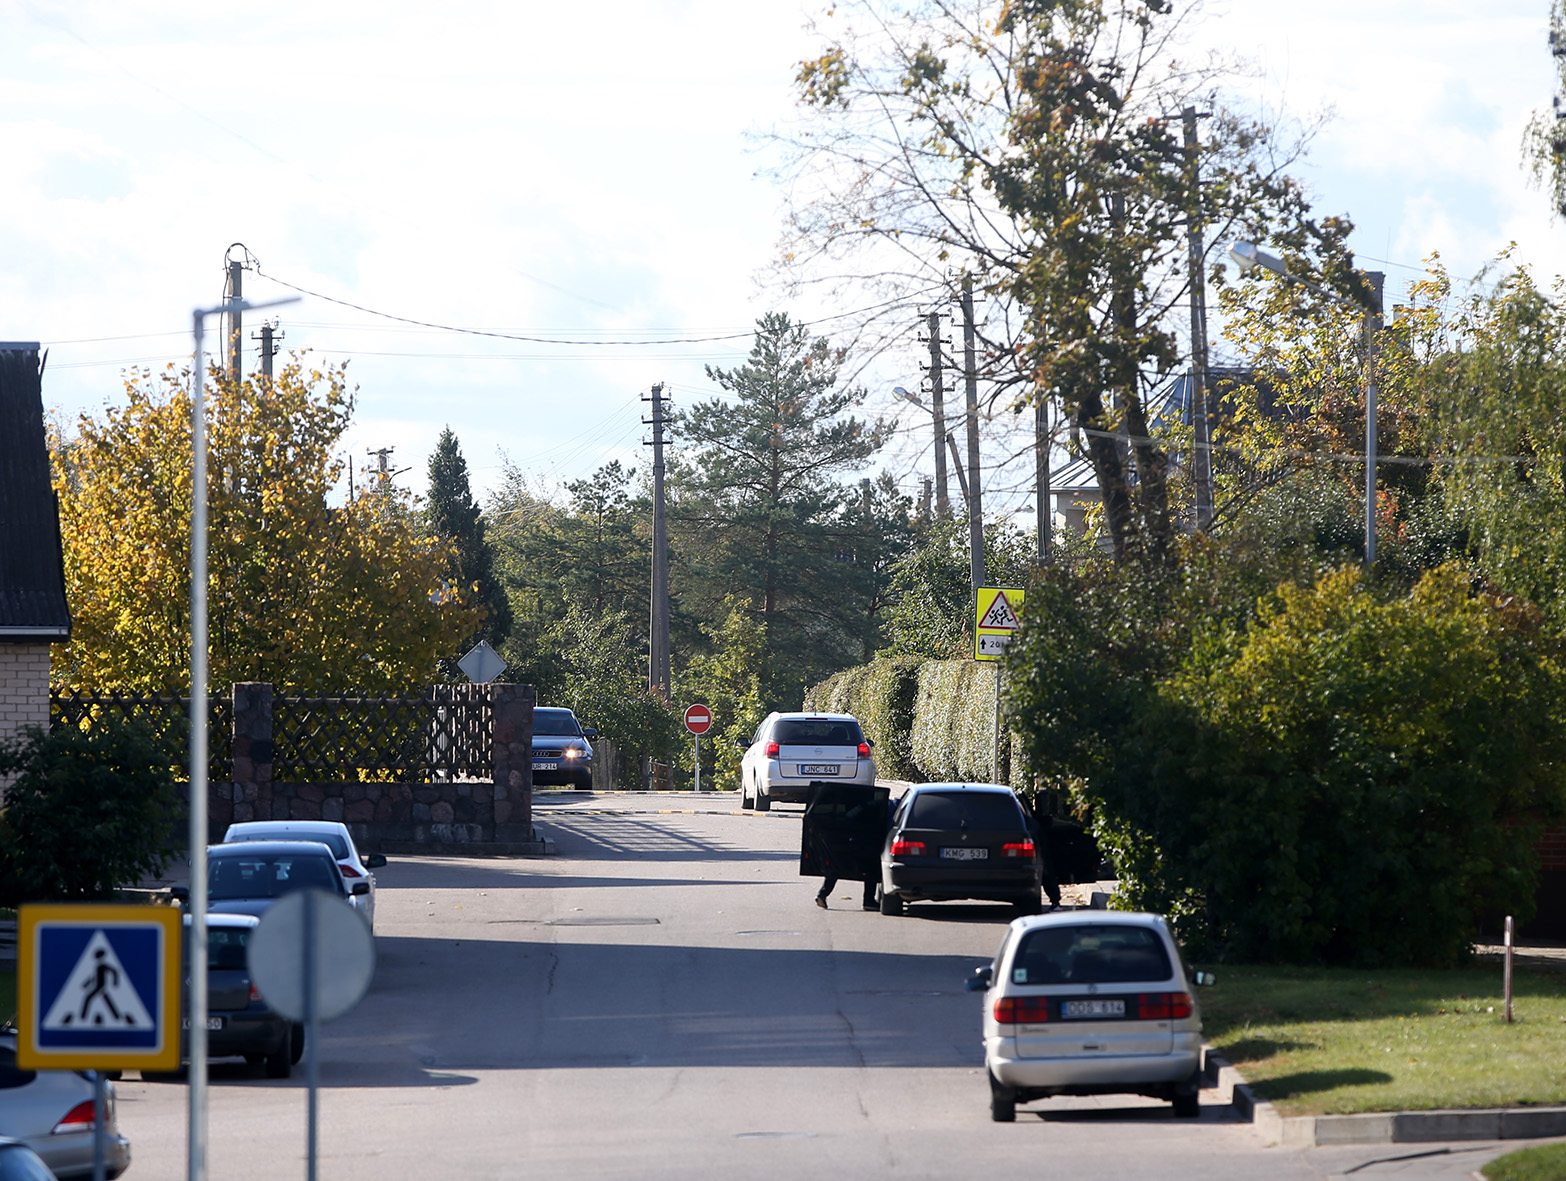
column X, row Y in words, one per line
column 86, row 813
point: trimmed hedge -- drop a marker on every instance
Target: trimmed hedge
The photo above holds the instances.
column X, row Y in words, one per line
column 930, row 719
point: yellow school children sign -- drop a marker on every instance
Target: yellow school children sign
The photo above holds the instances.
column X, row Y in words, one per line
column 997, row 614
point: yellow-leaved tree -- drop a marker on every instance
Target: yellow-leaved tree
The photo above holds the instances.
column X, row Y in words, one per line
column 309, row 595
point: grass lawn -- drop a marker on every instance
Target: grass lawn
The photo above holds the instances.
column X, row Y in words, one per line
column 1330, row 1041
column 1545, row 1163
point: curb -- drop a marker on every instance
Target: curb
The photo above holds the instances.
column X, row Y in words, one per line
column 1380, row 1127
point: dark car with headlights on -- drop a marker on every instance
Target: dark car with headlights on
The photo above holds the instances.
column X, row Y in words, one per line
column 960, row 840
column 240, row 1024
column 562, row 754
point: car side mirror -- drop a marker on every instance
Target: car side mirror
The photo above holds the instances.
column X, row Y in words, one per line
column 589, row 732
column 980, row 980
column 359, row 888
column 870, row 742
column 375, row 861
column 180, row 895
column 1203, row 979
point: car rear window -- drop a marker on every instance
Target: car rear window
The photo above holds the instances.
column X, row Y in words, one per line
column 816, row 732
column 268, row 875
column 556, row 721
column 332, row 840
column 980, row 809
column 226, row 948
column 1090, row 953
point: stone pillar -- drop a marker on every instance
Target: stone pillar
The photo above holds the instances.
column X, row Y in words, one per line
column 251, row 789
column 512, row 706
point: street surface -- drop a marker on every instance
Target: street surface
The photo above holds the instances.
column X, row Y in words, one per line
column 663, row 1000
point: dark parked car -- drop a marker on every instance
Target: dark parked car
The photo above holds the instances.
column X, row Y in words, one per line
column 248, row 876
column 239, row 1021
column 562, row 754
column 960, row 840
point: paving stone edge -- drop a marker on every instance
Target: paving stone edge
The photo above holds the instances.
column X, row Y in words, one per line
column 1381, row 1127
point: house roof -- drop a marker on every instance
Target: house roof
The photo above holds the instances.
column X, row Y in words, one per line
column 33, row 608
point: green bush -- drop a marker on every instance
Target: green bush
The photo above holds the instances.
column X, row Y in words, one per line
column 86, row 813
column 881, row 695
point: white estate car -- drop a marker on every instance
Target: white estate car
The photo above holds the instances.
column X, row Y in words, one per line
column 331, row 833
column 789, row 751
column 1090, row 1002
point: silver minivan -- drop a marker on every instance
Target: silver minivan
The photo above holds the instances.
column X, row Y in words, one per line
column 790, row 751
column 1090, row 1002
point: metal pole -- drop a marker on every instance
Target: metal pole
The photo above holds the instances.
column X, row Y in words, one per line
column 311, row 1024
column 197, row 1146
column 996, row 777
column 697, row 737
column 1507, row 971
column 943, row 504
column 971, row 381
column 100, row 1111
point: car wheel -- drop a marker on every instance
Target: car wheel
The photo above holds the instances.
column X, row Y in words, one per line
column 1003, row 1103
column 255, row 1059
column 279, row 1065
column 1187, row 1106
column 296, row 1044
column 891, row 904
column 763, row 800
column 745, row 801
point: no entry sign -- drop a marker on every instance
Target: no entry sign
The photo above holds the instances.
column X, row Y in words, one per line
column 698, row 719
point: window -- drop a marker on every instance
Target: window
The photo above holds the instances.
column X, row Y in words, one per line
column 1091, row 953
column 970, row 809
column 816, row 732
column 335, row 841
column 226, row 948
column 269, row 876
column 556, row 722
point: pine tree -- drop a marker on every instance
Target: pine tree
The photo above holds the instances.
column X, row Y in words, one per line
column 452, row 515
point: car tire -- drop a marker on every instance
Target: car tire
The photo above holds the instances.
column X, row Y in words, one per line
column 254, row 1059
column 1003, row 1103
column 891, row 904
column 745, row 800
column 763, row 801
column 296, row 1044
column 1187, row 1106
column 279, row 1065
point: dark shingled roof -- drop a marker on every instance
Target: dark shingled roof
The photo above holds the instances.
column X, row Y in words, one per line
column 32, row 571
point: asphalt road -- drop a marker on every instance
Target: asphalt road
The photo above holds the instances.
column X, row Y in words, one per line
column 663, row 1000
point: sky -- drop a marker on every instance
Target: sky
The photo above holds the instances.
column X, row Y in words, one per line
column 595, row 176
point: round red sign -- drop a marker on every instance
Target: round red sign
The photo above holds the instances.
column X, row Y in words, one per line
column 698, row 719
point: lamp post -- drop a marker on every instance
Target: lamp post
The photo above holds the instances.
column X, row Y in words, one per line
column 197, row 1139
column 1249, row 257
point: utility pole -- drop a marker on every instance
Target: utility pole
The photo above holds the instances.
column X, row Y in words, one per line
column 1372, row 329
column 1201, row 418
column 1041, row 442
column 970, row 372
column 268, row 337
column 658, row 638
column 233, row 292
column 943, row 506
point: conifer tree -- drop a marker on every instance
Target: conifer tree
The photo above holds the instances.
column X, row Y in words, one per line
column 452, row 515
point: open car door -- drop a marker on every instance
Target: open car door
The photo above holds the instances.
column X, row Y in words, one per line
column 843, row 831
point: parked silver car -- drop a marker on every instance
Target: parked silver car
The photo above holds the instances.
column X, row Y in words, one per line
column 51, row 1111
column 790, row 751
column 335, row 836
column 1090, row 1002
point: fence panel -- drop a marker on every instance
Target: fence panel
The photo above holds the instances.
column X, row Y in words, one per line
column 443, row 732
column 165, row 716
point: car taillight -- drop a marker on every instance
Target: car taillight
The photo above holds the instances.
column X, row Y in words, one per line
column 80, row 1118
column 864, row 750
column 1022, row 1010
column 1163, row 1006
column 1018, row 849
column 255, row 993
column 348, row 870
column 772, row 750
column 901, row 848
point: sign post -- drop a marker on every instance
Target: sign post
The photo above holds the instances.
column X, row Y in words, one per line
column 698, row 720
column 995, row 618
column 97, row 989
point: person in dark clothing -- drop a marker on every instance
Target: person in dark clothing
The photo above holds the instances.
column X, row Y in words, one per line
column 841, row 837
column 830, row 884
column 1043, row 825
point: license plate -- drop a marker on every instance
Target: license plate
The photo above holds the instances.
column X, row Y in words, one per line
column 546, row 766
column 965, row 853
column 212, row 1023
column 1080, row 1009
column 820, row 768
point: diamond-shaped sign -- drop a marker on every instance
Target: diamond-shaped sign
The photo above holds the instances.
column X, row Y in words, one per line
column 482, row 663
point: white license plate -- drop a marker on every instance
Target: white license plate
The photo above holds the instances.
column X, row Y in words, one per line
column 963, row 853
column 546, row 766
column 820, row 768
column 212, row 1023
column 1079, row 1009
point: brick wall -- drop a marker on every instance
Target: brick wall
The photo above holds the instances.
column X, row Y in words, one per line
column 24, row 687
column 1552, row 850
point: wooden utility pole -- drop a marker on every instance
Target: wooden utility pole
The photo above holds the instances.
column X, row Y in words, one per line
column 1041, row 443
column 269, row 337
column 658, row 637
column 943, row 505
column 970, row 372
column 1201, row 417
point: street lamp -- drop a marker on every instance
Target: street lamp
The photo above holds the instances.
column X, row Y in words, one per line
column 1248, row 256
column 197, row 1143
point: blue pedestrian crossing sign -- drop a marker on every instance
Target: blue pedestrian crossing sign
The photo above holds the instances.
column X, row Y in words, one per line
column 98, row 986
